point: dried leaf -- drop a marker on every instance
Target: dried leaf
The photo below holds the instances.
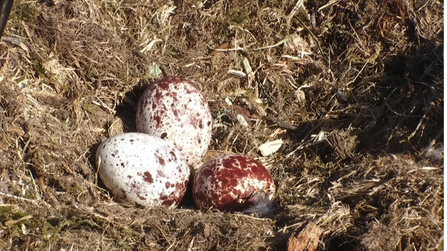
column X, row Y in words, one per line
column 307, row 239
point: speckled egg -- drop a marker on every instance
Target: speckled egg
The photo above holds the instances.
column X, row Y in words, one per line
column 232, row 183
column 144, row 169
column 174, row 109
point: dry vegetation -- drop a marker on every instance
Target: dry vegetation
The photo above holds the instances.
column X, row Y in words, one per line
column 353, row 88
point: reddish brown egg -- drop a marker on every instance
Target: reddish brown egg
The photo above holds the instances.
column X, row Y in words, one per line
column 232, row 183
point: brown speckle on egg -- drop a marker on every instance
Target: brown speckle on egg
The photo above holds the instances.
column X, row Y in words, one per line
column 148, row 177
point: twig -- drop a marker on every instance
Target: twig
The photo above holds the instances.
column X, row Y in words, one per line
column 12, row 222
column 331, row 2
column 191, row 244
column 24, row 199
column 232, row 49
column 312, row 34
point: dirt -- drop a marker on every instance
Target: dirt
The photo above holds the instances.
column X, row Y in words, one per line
column 353, row 88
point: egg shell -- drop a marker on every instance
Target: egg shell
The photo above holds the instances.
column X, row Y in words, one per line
column 144, row 169
column 174, row 109
column 232, row 183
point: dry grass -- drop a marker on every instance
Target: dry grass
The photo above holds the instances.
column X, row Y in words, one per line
column 353, row 88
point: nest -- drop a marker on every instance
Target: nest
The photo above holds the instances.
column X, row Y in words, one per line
column 354, row 91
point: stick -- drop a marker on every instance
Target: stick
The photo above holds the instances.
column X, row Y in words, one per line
column 5, row 9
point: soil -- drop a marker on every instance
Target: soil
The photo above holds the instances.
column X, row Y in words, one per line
column 354, row 89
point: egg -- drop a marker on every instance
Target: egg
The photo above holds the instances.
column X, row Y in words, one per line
column 144, row 169
column 232, row 183
column 174, row 109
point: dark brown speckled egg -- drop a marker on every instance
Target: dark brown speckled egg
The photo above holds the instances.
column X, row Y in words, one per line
column 232, row 183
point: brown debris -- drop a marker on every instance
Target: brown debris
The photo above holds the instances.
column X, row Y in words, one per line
column 306, row 240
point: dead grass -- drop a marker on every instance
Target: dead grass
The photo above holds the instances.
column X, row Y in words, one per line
column 353, row 88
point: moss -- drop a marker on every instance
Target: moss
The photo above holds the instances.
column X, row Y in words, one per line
column 87, row 106
column 76, row 189
column 23, row 12
column 7, row 213
column 38, row 68
column 36, row 223
column 270, row 3
column 51, row 232
column 4, row 210
column 17, row 215
column 239, row 16
column 47, row 229
column 317, row 162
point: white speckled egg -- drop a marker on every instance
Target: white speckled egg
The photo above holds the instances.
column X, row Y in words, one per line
column 174, row 109
column 144, row 169
column 232, row 183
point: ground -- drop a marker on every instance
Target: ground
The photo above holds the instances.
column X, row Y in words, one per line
column 354, row 89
